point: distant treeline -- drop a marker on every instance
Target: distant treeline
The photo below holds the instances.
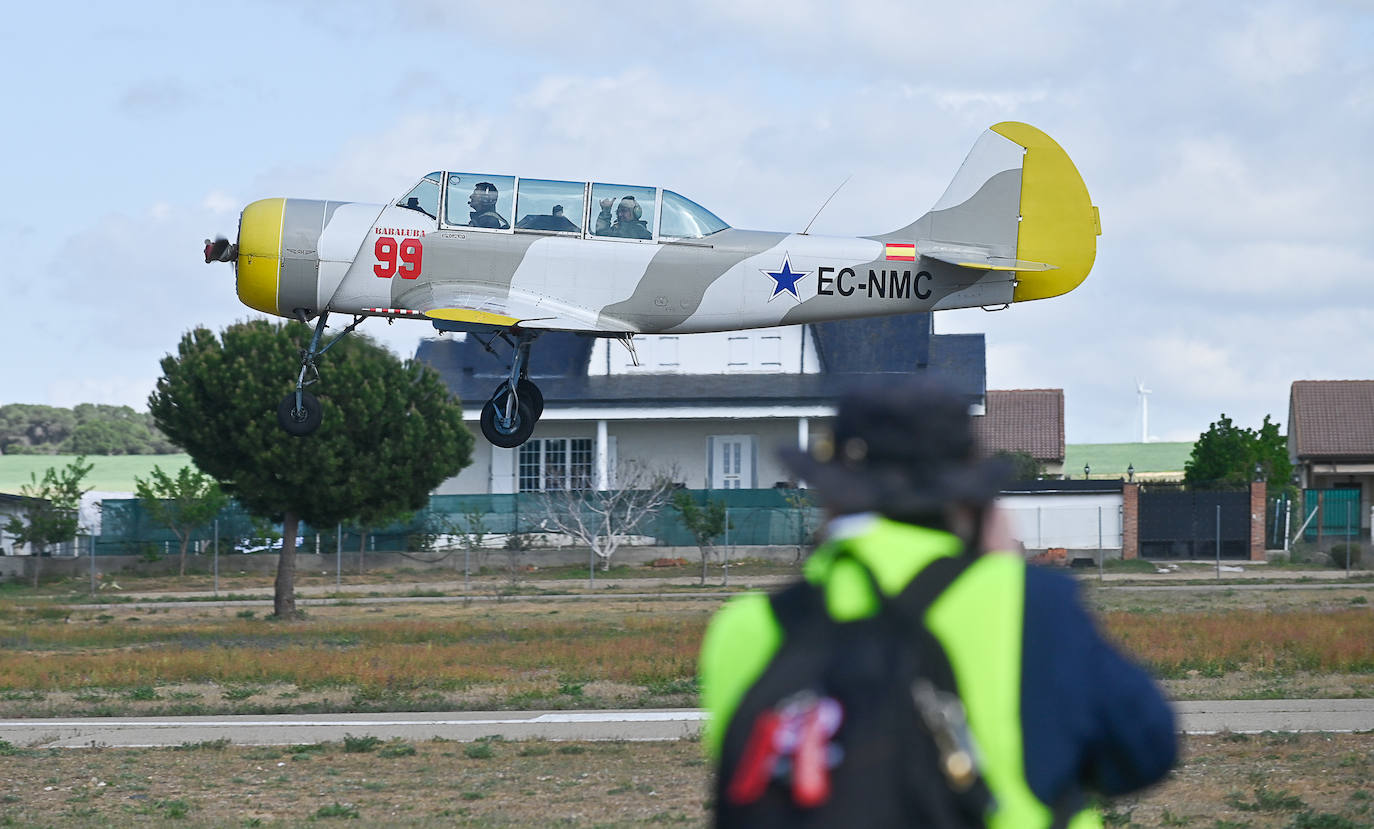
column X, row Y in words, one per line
column 89, row 429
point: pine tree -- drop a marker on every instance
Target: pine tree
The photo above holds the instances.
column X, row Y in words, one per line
column 391, row 431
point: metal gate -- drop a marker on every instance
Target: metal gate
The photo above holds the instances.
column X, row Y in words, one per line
column 1338, row 514
column 1181, row 524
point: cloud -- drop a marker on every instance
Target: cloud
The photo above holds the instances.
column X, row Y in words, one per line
column 219, row 202
column 1275, row 45
column 156, row 97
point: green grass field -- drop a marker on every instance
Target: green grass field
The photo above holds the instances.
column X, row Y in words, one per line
column 1109, row 460
column 116, row 473
column 111, row 473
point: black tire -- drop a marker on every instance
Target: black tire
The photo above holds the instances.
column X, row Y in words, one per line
column 299, row 422
column 507, row 438
column 529, row 394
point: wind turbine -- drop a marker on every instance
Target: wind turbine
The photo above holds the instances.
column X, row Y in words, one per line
column 1144, row 410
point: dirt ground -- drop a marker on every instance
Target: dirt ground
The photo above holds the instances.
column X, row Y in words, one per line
column 1271, row 780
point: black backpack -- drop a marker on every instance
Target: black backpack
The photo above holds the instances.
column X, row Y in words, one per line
column 854, row 723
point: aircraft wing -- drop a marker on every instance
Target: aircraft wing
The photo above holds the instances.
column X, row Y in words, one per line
column 472, row 305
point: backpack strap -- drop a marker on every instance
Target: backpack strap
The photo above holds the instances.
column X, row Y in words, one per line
column 922, row 591
column 797, row 606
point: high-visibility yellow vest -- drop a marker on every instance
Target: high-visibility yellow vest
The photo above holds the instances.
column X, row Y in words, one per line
column 978, row 620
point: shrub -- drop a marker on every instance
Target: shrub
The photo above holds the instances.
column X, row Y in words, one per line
column 360, row 745
column 398, row 749
column 478, row 751
column 336, row 809
column 1339, row 552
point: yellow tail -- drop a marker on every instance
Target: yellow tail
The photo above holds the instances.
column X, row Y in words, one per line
column 1059, row 224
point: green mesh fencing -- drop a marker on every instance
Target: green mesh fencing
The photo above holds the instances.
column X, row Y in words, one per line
column 773, row 517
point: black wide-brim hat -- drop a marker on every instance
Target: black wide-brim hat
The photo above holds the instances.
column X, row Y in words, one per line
column 905, row 450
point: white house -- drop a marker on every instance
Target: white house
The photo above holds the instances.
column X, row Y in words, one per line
column 711, row 408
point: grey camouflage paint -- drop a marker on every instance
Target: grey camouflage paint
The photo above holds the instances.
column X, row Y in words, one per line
column 732, row 279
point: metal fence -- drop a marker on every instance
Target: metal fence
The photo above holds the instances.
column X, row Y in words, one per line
column 756, row 517
column 775, row 517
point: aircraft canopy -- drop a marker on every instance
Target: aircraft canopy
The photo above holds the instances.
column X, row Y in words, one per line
column 573, row 208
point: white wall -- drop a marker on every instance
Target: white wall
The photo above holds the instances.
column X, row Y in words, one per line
column 1069, row 520
column 660, row 444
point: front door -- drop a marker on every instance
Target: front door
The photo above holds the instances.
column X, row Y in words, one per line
column 732, row 462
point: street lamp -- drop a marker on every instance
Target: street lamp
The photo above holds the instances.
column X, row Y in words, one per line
column 1087, row 470
column 1130, row 473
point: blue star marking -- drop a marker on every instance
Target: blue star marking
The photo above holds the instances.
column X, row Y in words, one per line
column 785, row 279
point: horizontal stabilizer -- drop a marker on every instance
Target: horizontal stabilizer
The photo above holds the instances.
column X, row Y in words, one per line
column 980, row 259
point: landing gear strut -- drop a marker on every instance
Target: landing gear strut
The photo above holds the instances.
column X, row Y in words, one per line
column 300, row 412
column 508, row 418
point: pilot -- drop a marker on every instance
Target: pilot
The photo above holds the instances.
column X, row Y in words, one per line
column 559, row 221
column 483, row 204
column 627, row 225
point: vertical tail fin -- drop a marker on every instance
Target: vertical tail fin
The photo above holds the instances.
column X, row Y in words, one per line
column 1016, row 204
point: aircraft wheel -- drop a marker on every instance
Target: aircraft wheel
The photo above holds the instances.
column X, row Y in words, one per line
column 517, row 433
column 529, row 393
column 299, row 422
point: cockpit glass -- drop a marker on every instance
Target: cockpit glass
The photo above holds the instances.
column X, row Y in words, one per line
column 549, row 205
column 624, row 211
column 479, row 200
column 424, row 197
column 685, row 219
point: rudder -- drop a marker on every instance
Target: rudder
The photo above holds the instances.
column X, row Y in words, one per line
column 1017, row 204
column 1059, row 224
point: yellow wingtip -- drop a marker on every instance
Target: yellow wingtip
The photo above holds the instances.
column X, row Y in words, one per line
column 469, row 315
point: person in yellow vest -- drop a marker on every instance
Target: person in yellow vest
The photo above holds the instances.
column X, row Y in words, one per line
column 1055, row 713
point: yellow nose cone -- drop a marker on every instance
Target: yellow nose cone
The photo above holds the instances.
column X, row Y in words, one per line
column 259, row 262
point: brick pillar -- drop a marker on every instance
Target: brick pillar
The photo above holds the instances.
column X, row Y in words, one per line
column 1130, row 521
column 1257, row 493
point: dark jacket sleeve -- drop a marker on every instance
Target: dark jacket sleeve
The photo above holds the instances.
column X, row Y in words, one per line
column 1090, row 716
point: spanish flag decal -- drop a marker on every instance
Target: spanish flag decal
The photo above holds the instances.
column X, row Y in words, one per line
column 901, row 253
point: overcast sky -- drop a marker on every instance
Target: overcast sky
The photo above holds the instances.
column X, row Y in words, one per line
column 1228, row 146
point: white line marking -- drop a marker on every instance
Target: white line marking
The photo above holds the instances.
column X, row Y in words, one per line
column 669, row 716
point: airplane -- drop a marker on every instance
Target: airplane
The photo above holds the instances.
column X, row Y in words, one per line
column 499, row 256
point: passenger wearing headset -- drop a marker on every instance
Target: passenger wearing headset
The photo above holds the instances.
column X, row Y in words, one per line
column 628, row 223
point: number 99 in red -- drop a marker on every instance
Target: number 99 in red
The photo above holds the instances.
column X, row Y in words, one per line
column 406, row 257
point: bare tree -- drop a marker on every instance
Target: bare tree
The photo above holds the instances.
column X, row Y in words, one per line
column 604, row 519
column 809, row 519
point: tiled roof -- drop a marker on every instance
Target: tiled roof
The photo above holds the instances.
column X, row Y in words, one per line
column 1331, row 418
column 1023, row 420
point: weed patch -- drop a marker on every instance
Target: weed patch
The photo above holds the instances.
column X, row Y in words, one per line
column 1266, row 800
column 336, row 809
column 360, row 745
column 479, row 751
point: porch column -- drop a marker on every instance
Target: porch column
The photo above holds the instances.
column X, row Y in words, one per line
column 803, row 439
column 602, row 457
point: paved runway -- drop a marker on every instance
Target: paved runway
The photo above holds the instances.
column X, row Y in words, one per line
column 1249, row 716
